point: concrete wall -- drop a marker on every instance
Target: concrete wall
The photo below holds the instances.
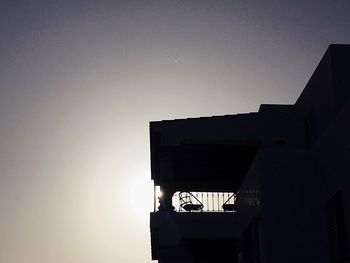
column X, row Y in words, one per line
column 293, row 218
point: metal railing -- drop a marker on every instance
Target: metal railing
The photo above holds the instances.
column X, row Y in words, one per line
column 204, row 202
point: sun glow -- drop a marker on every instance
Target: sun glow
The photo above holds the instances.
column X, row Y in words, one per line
column 141, row 197
column 158, row 191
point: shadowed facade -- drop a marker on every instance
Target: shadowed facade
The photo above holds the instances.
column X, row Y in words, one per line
column 263, row 187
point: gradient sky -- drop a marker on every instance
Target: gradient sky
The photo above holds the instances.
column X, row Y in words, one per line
column 80, row 80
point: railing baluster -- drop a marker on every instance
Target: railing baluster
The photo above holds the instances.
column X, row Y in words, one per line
column 212, row 197
column 207, row 201
column 218, row 203
column 202, row 201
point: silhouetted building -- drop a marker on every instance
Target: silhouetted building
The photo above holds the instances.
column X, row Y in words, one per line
column 265, row 187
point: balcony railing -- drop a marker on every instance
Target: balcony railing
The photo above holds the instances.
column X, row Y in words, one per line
column 204, row 202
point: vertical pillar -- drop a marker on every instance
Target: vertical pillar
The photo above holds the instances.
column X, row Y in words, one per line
column 165, row 201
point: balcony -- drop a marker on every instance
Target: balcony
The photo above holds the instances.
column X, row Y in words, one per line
column 186, row 201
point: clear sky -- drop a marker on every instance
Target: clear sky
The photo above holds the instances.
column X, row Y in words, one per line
column 80, row 80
